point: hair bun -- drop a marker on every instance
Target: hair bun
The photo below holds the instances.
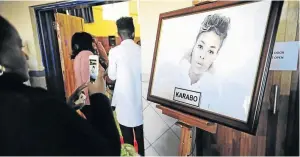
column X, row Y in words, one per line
column 220, row 24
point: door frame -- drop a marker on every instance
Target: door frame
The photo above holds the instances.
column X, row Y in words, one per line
column 48, row 42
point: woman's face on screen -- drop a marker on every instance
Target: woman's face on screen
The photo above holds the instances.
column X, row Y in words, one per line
column 205, row 51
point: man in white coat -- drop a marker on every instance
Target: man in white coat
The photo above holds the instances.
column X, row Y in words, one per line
column 125, row 68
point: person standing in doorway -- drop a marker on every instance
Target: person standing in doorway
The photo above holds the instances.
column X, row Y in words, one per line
column 83, row 46
column 125, row 68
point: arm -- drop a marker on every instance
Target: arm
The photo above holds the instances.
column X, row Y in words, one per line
column 102, row 112
column 61, row 128
column 112, row 68
column 101, row 50
column 98, row 135
column 112, row 72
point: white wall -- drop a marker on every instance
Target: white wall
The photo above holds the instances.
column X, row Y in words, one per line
column 149, row 14
column 18, row 14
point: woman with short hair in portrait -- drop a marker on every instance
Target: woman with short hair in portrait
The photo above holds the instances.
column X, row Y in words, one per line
column 195, row 70
column 205, row 51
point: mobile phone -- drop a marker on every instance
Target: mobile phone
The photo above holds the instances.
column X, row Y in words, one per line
column 93, row 67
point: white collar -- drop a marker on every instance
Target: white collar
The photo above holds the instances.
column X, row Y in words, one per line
column 127, row 41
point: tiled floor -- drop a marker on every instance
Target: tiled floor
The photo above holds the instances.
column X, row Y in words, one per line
column 167, row 144
column 154, row 126
column 151, row 152
column 161, row 133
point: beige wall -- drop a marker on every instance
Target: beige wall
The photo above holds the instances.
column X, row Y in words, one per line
column 149, row 13
column 17, row 12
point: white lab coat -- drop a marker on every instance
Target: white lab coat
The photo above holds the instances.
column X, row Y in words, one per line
column 125, row 68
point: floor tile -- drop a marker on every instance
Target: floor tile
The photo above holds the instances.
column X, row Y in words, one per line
column 167, row 119
column 151, row 152
column 167, row 144
column 146, row 143
column 154, row 126
column 177, row 130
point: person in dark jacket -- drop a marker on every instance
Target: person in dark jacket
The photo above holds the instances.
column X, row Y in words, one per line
column 32, row 122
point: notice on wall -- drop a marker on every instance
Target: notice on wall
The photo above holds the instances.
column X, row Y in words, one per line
column 285, row 56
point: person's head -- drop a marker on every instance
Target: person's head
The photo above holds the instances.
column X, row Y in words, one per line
column 125, row 28
column 11, row 55
column 210, row 38
column 25, row 50
column 81, row 41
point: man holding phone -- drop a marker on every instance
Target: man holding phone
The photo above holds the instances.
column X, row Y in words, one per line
column 125, row 68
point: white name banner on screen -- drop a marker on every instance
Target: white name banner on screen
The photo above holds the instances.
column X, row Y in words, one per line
column 285, row 56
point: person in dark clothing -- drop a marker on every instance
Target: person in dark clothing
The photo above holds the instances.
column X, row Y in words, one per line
column 32, row 122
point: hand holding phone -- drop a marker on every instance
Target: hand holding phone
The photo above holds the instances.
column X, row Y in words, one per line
column 93, row 67
column 99, row 85
column 103, row 63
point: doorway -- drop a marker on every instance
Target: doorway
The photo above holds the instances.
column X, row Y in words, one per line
column 55, row 42
column 66, row 26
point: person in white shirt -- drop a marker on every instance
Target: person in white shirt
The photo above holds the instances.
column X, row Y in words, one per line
column 125, row 68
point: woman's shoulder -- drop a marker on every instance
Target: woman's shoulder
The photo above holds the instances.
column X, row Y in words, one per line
column 81, row 57
column 40, row 94
column 29, row 97
column 84, row 53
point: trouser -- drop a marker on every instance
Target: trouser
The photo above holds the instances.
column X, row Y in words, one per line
column 128, row 137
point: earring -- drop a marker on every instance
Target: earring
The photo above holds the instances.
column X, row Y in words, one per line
column 2, row 70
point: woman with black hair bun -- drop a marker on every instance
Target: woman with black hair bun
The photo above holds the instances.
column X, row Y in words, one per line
column 84, row 45
column 82, row 48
